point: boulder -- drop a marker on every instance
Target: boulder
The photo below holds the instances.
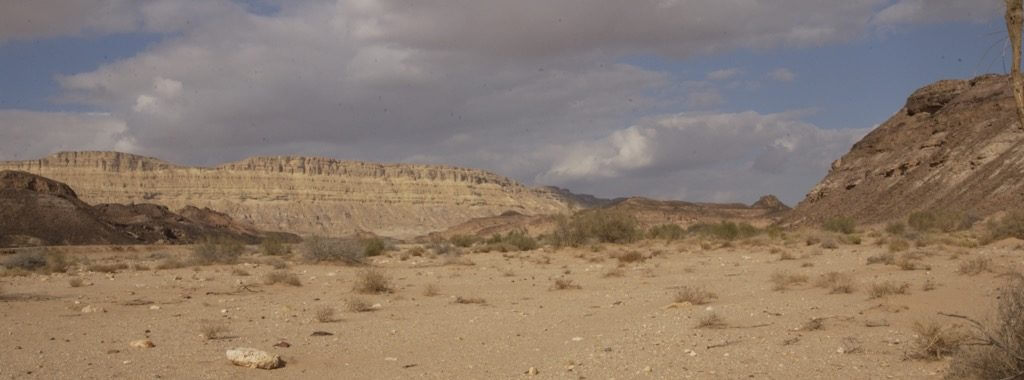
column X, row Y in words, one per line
column 253, row 358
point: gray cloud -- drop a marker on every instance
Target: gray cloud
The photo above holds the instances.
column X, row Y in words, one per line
column 933, row 11
column 505, row 86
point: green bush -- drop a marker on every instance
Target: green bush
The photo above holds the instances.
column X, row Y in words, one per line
column 273, row 246
column 666, row 232
column 603, row 226
column 463, row 240
column 221, row 250
column 840, row 224
column 724, row 230
column 318, row 248
column 512, row 241
column 37, row 260
column 374, row 247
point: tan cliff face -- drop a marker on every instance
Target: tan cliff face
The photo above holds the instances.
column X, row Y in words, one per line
column 955, row 146
column 306, row 195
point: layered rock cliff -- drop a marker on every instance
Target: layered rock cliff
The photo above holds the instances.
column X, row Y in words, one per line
column 955, row 146
column 306, row 195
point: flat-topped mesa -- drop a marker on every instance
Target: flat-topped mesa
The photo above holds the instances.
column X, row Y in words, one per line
column 306, row 195
column 107, row 161
column 328, row 166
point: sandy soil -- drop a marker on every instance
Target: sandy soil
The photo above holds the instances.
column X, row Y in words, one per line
column 611, row 327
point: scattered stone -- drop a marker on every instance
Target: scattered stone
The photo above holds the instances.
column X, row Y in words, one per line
column 321, row 333
column 253, row 358
column 648, row 369
column 154, row 307
column 532, row 371
column 282, row 344
column 391, row 359
column 577, row 338
column 111, row 352
column 93, row 309
column 876, row 323
column 142, row 343
column 677, row 305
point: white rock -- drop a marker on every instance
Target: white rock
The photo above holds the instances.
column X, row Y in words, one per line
column 142, row 343
column 253, row 358
column 92, row 309
column 154, row 307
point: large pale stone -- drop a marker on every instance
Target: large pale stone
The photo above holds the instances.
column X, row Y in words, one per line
column 253, row 358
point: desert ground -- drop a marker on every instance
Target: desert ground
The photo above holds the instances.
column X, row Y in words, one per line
column 642, row 310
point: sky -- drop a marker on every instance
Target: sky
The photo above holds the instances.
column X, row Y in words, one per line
column 697, row 100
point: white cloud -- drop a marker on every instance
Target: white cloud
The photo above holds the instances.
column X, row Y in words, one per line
column 29, row 135
column 706, row 153
column 782, row 75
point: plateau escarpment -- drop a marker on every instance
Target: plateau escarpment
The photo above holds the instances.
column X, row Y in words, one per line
column 955, row 147
column 306, row 195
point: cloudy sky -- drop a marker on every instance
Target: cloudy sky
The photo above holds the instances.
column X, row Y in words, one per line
column 702, row 100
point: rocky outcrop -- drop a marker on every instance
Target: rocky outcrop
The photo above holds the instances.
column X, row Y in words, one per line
column 955, row 146
column 38, row 211
column 306, row 195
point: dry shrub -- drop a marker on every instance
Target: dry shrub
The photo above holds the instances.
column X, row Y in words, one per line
column 457, row 260
column 470, row 300
column 837, row 282
column 75, row 282
column 888, row 258
column 107, row 268
column 898, row 245
column 171, row 263
column 614, row 272
column 998, row 352
column 220, row 250
column 841, row 224
column 786, row 255
column 830, row 243
column 666, row 232
column 239, row 272
column 630, row 257
column 727, row 231
column 813, row 324
column 325, row 314
column 372, row 281
column 274, row 246
column 41, row 260
column 975, row 266
column 782, row 280
column 565, row 284
column 358, row 305
column 281, row 277
column 596, row 225
column 430, row 290
column 934, row 341
column 888, row 288
column 712, row 321
column 319, row 249
column 694, row 295
column 213, row 330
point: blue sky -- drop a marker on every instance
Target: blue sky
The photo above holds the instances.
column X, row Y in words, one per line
column 663, row 98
